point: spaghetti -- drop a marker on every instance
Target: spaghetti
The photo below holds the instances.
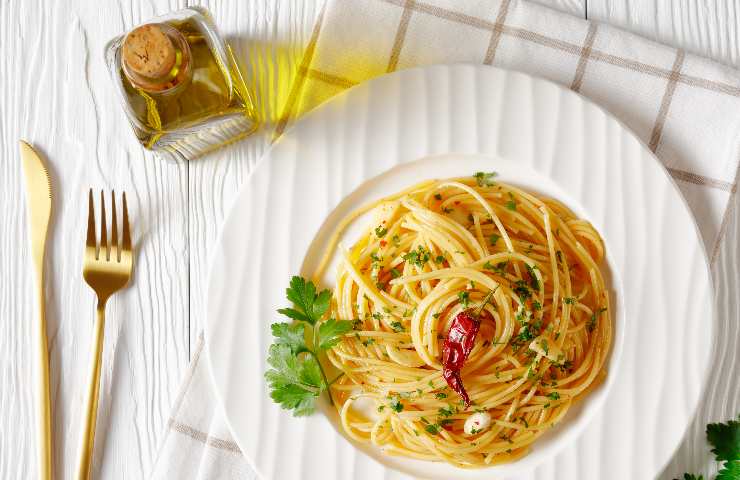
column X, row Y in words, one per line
column 435, row 251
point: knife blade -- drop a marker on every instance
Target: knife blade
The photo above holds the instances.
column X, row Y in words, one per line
column 38, row 206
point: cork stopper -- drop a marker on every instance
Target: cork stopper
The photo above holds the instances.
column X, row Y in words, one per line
column 155, row 57
column 148, row 51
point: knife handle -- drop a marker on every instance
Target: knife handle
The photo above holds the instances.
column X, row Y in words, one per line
column 87, row 439
column 43, row 399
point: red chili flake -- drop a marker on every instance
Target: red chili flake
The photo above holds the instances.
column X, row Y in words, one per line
column 383, row 243
column 457, row 202
column 457, row 346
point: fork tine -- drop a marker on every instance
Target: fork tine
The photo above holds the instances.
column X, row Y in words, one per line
column 126, row 229
column 103, row 229
column 115, row 251
column 90, row 222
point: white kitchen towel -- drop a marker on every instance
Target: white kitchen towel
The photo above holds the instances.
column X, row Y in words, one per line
column 684, row 107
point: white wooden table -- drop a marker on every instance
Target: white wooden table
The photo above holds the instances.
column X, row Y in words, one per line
column 55, row 92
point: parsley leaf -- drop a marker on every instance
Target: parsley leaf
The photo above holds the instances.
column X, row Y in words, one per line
column 725, row 438
column 381, row 231
column 290, row 335
column 310, row 306
column 553, row 396
column 295, row 375
column 397, row 326
column 484, row 178
column 729, row 471
column 295, row 382
column 493, row 239
column 331, row 332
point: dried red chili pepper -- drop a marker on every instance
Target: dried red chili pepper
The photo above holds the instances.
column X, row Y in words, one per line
column 458, row 345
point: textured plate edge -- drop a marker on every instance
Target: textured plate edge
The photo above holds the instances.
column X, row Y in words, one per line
column 712, row 292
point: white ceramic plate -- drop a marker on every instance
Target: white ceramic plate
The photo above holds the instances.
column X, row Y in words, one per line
column 449, row 121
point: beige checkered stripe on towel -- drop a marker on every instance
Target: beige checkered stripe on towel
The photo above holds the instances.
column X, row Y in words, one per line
column 685, row 108
column 661, row 93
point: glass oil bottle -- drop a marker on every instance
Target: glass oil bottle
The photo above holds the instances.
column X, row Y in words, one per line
column 180, row 85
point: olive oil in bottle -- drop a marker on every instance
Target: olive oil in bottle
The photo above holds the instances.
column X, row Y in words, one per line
column 180, row 85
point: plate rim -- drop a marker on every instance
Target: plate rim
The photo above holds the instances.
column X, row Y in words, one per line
column 705, row 262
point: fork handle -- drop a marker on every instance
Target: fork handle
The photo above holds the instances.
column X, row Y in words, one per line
column 87, row 438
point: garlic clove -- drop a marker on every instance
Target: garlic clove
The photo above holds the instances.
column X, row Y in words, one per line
column 477, row 422
column 547, row 348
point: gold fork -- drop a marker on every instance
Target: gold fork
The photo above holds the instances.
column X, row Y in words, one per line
column 106, row 269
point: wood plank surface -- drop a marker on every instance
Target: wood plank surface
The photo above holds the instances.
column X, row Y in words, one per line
column 55, row 92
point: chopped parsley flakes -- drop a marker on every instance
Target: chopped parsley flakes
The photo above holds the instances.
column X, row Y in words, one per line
column 484, row 179
column 396, row 404
column 533, row 281
column 432, row 428
column 521, row 289
column 591, row 325
column 397, row 326
column 445, row 412
column 464, row 298
column 418, row 257
column 511, row 204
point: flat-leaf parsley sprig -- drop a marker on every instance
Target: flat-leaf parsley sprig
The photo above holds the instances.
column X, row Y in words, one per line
column 295, row 376
column 725, row 438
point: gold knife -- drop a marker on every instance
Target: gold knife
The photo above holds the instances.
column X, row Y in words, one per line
column 38, row 199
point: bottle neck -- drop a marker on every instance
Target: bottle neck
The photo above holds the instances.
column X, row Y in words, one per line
column 156, row 58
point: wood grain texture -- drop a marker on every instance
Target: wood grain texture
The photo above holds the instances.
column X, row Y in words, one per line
column 268, row 38
column 54, row 91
